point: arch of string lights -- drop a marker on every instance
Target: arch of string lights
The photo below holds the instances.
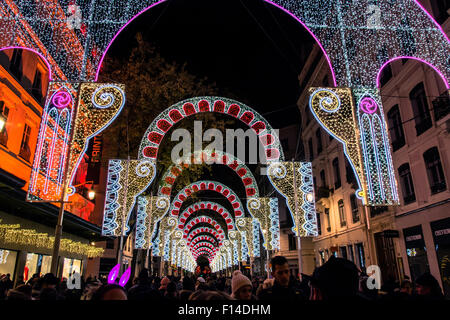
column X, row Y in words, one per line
column 206, row 185
column 210, row 157
column 357, row 37
column 203, row 220
column 165, row 120
column 206, row 205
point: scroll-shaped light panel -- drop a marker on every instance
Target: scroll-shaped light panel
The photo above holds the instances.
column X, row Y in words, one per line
column 281, row 175
column 355, row 118
column 150, row 210
column 378, row 168
column 265, row 210
column 98, row 106
column 127, row 179
column 46, row 182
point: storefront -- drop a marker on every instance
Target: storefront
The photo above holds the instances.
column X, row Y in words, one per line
column 416, row 251
column 8, row 260
column 36, row 264
column 441, row 236
column 71, row 266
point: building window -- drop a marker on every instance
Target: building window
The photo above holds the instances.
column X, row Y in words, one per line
column 343, row 252
column 327, row 217
column 25, row 152
column 406, row 183
column 292, row 242
column 349, row 175
column 361, row 256
column 386, row 75
column 434, row 170
column 319, row 224
column 421, row 109
column 4, row 110
column 355, row 209
column 341, row 209
column 323, row 180
column 441, row 106
column 377, row 210
column 396, row 128
column 351, row 256
column 311, row 151
column 16, row 64
column 337, row 174
column 319, row 141
column 440, row 10
column 36, row 90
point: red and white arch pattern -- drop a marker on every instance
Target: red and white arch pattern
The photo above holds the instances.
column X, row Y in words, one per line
column 202, row 219
column 200, row 230
column 206, row 205
column 218, row 187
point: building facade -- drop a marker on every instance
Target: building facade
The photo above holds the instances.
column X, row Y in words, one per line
column 404, row 240
column 27, row 229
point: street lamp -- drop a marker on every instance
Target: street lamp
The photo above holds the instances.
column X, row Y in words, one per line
column 91, row 194
column 2, row 122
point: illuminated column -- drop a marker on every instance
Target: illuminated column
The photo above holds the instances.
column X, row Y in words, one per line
column 281, row 175
column 150, row 210
column 356, row 119
column 127, row 179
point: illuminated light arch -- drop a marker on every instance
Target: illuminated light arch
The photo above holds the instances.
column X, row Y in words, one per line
column 165, row 120
column 401, row 25
column 207, row 185
column 204, row 244
column 206, row 205
column 217, row 157
column 446, row 83
column 205, row 220
column 201, row 230
column 214, row 230
column 203, row 238
column 274, row 3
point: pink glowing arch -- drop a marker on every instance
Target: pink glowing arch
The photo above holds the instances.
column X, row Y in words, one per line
column 268, row 1
column 49, row 68
column 412, row 58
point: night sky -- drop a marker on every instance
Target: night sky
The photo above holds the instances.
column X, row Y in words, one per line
column 251, row 48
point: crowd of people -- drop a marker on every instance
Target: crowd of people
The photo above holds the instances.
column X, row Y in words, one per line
column 336, row 279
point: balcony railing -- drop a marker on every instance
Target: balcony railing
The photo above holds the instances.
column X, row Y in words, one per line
column 441, row 106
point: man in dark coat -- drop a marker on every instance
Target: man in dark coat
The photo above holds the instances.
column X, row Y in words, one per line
column 283, row 288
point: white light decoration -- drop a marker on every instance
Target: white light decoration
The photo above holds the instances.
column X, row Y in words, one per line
column 150, row 210
column 357, row 37
column 186, row 108
column 210, row 157
column 303, row 212
column 363, row 132
column 73, row 114
column 126, row 180
column 265, row 210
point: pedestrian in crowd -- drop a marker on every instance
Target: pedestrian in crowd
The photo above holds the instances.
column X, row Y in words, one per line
column 281, row 289
column 201, row 284
column 171, row 291
column 164, row 282
column 109, row 292
column 143, row 289
column 241, row 286
column 336, row 279
column 427, row 288
column 188, row 288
